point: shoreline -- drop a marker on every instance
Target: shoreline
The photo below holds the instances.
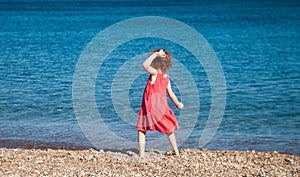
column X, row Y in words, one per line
column 27, row 144
column 191, row 162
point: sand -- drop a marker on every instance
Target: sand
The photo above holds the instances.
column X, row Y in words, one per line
column 191, row 162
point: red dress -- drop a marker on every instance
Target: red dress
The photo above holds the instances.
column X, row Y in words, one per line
column 155, row 113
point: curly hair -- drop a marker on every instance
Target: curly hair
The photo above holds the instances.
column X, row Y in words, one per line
column 162, row 63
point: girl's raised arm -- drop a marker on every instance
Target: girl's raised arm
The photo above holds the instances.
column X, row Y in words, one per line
column 147, row 63
column 173, row 97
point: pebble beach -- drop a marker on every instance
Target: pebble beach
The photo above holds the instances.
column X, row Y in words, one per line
column 191, row 162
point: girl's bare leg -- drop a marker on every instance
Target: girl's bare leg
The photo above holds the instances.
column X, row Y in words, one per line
column 172, row 140
column 142, row 142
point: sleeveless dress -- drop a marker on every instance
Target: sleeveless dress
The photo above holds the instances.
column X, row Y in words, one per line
column 155, row 113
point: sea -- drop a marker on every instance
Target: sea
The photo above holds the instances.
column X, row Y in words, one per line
column 256, row 50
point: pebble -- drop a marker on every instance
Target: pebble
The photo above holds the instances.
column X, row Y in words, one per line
column 191, row 162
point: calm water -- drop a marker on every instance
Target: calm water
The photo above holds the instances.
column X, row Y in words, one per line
column 256, row 42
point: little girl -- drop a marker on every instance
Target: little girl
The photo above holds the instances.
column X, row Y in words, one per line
column 155, row 113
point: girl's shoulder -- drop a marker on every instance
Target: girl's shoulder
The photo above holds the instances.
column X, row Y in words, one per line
column 165, row 75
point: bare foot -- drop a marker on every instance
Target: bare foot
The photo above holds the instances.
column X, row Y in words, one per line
column 142, row 154
column 176, row 152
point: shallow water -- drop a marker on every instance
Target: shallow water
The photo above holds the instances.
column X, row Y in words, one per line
column 256, row 43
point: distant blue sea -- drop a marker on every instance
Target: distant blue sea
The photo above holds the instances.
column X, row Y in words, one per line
column 257, row 43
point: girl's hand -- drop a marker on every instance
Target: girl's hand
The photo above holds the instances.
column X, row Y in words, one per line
column 180, row 105
column 161, row 53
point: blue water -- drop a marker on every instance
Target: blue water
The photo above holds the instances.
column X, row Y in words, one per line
column 256, row 42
